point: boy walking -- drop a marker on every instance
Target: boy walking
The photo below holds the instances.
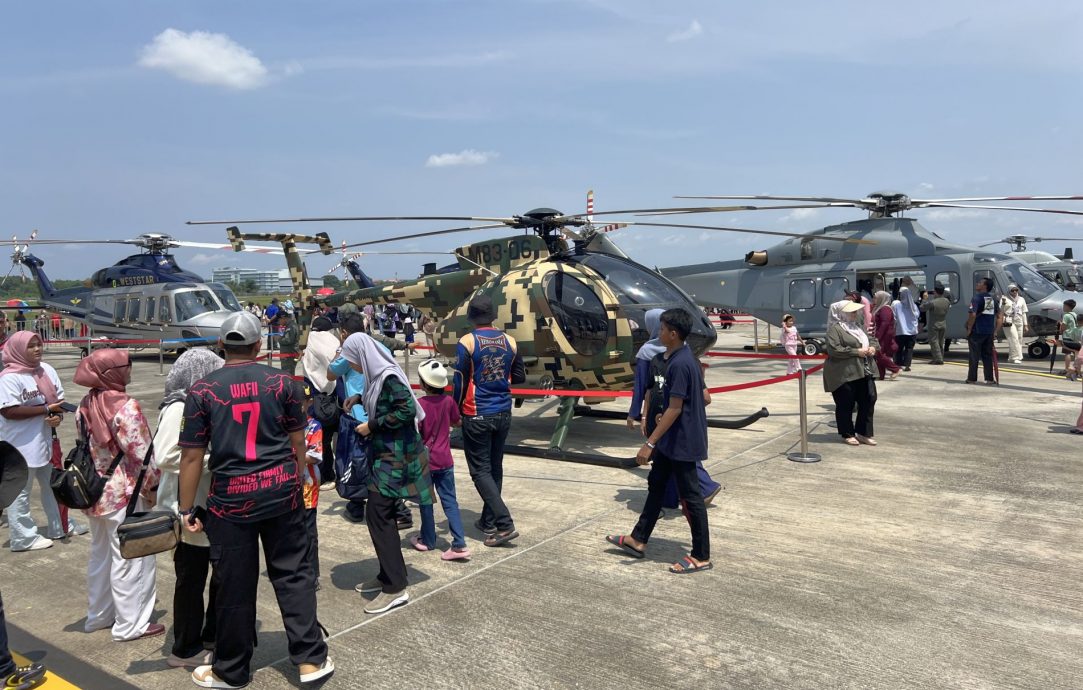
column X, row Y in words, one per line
column 675, row 423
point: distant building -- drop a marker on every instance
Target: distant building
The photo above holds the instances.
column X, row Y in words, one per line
column 266, row 281
column 286, row 285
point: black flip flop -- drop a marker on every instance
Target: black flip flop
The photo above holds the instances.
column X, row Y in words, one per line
column 618, row 541
column 1073, row 430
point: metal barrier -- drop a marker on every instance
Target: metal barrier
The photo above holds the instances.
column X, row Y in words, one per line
column 803, row 455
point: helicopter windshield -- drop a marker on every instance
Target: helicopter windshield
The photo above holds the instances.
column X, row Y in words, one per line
column 631, row 283
column 1033, row 286
column 226, row 297
column 192, row 304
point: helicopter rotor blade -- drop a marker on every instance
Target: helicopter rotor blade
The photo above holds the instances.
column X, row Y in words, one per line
column 1005, row 208
column 847, row 240
column 480, row 219
column 721, row 209
column 1065, row 197
column 253, row 248
column 425, row 234
column 771, row 197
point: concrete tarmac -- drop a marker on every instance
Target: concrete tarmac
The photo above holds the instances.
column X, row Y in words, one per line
column 947, row 556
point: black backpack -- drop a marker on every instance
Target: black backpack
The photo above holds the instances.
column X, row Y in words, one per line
column 79, row 485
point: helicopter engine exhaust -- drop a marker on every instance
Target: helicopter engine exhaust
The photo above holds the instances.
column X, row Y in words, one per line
column 757, row 258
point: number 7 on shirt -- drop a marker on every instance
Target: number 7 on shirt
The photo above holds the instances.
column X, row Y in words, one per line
column 239, row 410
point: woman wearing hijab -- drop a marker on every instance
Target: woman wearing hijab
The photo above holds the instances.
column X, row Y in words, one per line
column 193, row 623
column 321, row 350
column 906, row 312
column 847, row 376
column 883, row 318
column 399, row 468
column 650, row 349
column 30, row 397
column 120, row 591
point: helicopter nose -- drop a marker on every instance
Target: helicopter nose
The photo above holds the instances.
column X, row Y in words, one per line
column 703, row 335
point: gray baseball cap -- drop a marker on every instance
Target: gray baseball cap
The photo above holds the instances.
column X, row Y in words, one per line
column 241, row 328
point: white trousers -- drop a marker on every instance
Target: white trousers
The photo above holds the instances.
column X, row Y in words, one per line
column 1014, row 334
column 120, row 592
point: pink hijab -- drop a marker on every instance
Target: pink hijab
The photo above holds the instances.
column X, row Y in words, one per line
column 17, row 362
column 106, row 373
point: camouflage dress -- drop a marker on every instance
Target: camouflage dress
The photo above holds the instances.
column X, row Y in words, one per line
column 400, row 461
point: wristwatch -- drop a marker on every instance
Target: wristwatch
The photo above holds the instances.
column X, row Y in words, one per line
column 649, row 445
column 186, row 513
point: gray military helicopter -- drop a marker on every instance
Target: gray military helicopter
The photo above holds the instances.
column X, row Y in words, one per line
column 804, row 275
column 1063, row 270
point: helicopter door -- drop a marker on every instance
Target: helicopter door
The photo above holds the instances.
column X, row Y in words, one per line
column 580, row 316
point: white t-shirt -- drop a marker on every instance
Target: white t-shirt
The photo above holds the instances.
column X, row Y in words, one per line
column 30, row 436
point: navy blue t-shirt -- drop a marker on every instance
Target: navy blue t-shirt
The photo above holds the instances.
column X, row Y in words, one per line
column 682, row 377
column 984, row 308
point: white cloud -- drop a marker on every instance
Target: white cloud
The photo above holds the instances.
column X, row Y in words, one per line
column 464, row 157
column 204, row 259
column 206, row 58
column 800, row 214
column 694, row 29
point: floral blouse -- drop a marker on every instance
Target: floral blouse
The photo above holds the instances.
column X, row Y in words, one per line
column 133, row 435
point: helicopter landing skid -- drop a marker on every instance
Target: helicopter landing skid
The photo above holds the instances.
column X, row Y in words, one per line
column 584, row 411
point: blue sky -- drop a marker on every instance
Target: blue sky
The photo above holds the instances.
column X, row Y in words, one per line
column 125, row 117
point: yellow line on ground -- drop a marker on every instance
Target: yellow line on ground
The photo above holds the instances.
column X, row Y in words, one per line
column 1028, row 372
column 52, row 681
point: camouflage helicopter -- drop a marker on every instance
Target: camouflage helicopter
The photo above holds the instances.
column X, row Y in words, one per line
column 574, row 302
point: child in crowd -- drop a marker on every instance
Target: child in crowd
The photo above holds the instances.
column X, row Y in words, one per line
column 791, row 340
column 441, row 413
column 311, row 488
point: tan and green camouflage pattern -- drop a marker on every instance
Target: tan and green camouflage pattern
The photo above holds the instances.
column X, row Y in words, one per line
column 518, row 292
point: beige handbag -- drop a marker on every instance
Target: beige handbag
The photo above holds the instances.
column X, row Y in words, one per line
column 148, row 532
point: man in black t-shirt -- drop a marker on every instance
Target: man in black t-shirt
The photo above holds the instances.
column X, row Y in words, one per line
column 676, row 443
column 251, row 416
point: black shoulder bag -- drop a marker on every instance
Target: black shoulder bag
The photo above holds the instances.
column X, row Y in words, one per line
column 149, row 532
column 78, row 485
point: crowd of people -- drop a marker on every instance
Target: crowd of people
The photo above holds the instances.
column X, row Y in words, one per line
column 235, row 492
column 349, row 419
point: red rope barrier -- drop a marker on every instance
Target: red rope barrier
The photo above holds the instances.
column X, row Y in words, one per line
column 761, row 355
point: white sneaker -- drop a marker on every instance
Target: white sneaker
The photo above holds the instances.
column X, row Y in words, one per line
column 37, row 545
column 76, row 530
column 386, row 602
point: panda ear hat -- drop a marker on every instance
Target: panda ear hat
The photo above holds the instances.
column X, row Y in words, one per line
column 433, row 373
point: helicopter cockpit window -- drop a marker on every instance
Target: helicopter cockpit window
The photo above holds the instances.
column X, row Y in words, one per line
column 225, row 296
column 631, row 283
column 120, row 308
column 950, row 281
column 802, row 294
column 1033, row 286
column 578, row 311
column 192, row 304
column 133, row 310
column 833, row 290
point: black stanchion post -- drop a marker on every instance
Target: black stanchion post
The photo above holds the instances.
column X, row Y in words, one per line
column 804, row 455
